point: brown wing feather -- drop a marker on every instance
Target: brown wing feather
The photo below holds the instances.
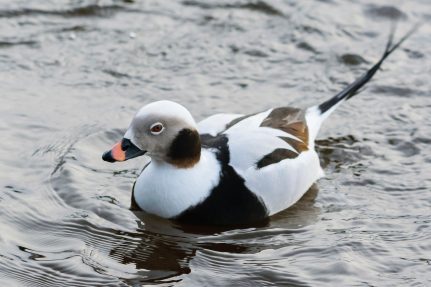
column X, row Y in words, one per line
column 291, row 121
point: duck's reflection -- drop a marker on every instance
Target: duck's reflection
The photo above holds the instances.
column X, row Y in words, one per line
column 165, row 248
column 162, row 252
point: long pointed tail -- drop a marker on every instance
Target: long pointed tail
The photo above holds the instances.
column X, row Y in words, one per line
column 317, row 114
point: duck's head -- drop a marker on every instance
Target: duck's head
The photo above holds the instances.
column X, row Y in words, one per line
column 163, row 130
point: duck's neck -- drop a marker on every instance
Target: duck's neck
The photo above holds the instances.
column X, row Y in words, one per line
column 185, row 150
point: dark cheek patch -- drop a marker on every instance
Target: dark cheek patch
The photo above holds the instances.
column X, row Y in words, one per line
column 185, row 150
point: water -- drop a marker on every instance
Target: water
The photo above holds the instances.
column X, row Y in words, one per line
column 73, row 73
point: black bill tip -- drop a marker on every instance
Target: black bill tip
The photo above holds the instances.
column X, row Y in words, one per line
column 107, row 156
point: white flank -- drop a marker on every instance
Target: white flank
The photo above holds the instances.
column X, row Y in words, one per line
column 282, row 184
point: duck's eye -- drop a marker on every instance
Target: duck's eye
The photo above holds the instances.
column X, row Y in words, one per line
column 156, row 128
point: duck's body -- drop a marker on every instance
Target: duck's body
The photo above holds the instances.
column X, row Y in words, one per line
column 229, row 168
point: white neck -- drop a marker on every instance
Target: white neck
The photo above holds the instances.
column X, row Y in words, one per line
column 166, row 190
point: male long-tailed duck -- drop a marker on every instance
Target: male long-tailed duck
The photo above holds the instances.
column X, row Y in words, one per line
column 229, row 168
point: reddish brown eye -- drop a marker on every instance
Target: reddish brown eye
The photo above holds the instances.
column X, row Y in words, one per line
column 156, row 128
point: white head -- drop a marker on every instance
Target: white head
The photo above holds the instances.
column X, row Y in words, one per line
column 164, row 130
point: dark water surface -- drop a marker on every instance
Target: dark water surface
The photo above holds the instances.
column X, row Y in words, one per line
column 73, row 73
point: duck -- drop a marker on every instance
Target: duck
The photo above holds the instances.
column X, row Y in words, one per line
column 228, row 169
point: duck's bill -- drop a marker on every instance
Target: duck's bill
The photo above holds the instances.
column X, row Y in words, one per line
column 122, row 151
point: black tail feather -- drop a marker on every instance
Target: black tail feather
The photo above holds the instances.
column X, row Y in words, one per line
column 353, row 88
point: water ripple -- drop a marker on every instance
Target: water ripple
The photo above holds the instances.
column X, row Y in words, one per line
column 73, row 73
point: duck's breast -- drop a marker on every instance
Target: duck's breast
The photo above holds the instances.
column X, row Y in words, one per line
column 167, row 191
